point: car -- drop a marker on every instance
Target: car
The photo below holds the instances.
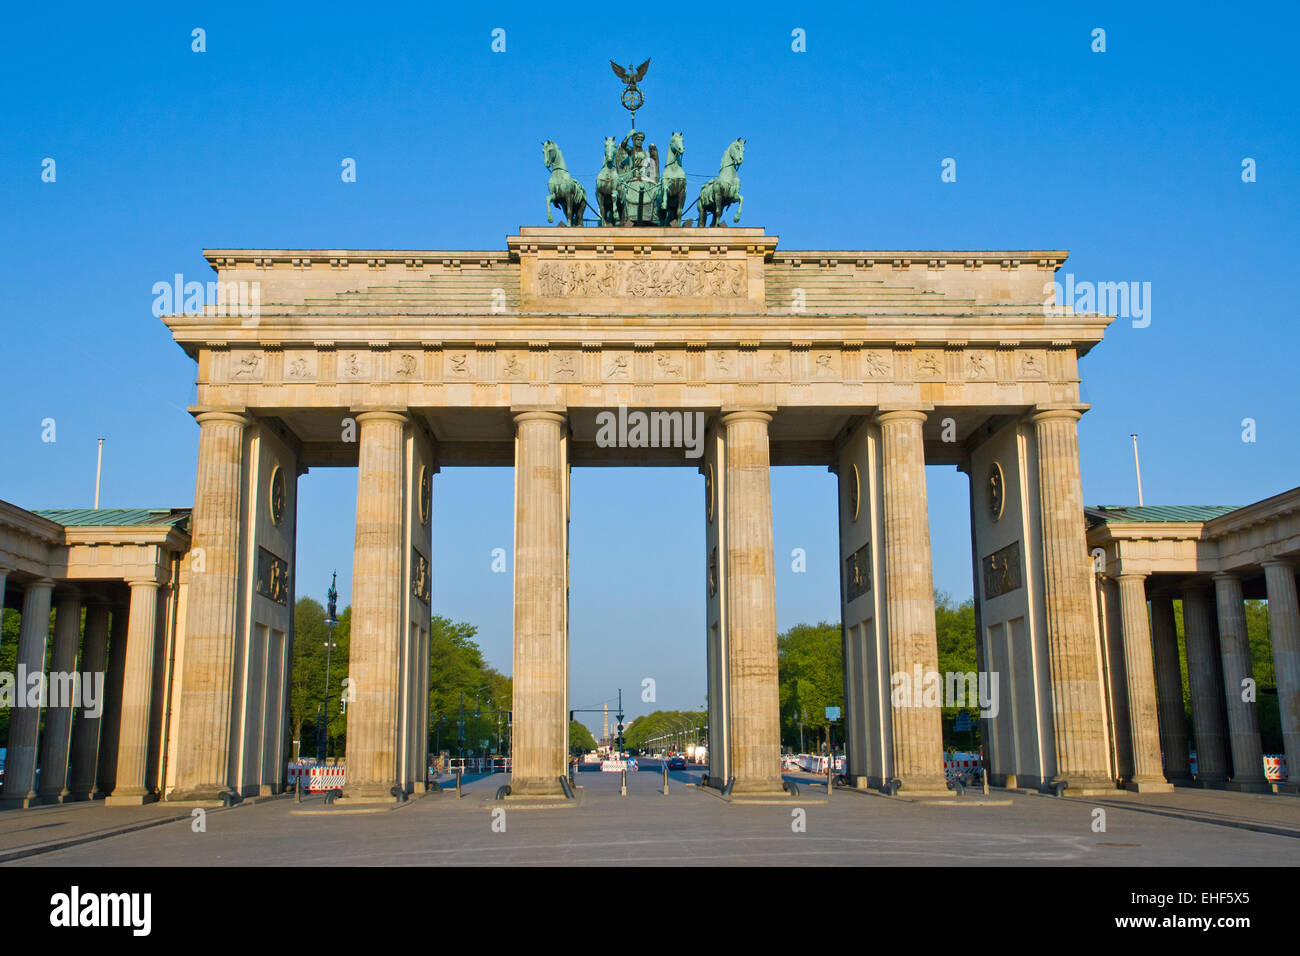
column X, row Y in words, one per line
column 677, row 763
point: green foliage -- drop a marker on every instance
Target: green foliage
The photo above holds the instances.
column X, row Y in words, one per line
column 8, row 659
column 307, row 678
column 681, row 726
column 457, row 672
column 810, row 668
column 580, row 739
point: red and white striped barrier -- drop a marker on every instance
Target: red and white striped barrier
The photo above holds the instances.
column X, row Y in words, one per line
column 317, row 779
column 960, row 765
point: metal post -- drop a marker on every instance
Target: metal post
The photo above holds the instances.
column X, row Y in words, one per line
column 99, row 464
column 624, row 787
column 458, row 773
column 1137, row 467
column 665, row 776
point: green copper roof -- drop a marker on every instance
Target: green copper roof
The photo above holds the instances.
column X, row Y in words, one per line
column 116, row 517
column 1158, row 512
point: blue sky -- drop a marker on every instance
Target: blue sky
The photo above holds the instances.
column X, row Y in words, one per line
column 1130, row 158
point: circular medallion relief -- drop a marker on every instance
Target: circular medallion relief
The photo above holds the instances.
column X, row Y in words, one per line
column 277, row 496
column 997, row 491
column 855, row 492
column 708, row 491
column 426, row 494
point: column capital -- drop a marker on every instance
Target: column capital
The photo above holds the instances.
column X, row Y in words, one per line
column 745, row 415
column 555, row 416
column 887, row 416
column 1132, row 576
column 380, row 415
column 47, row 583
column 134, row 583
column 1266, row 563
column 233, row 417
column 1070, row 413
column 1225, row 576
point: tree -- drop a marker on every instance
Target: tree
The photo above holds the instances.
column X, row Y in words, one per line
column 677, row 725
column 580, row 739
column 810, row 669
column 457, row 672
column 307, row 689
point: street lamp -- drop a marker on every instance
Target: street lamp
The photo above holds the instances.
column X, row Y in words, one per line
column 331, row 621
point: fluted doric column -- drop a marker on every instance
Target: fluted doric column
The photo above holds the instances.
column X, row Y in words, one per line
column 203, row 731
column 378, row 628
column 137, row 696
column 916, row 730
column 1238, row 675
column 754, row 699
column 58, row 706
column 1169, row 690
column 541, row 638
column 24, row 720
column 1139, row 670
column 1204, row 677
column 1284, row 631
column 85, row 729
column 1078, row 701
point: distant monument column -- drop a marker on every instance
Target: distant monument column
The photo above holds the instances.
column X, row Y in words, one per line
column 754, row 701
column 203, row 732
column 1203, row 677
column 1169, row 690
column 24, row 721
column 1243, row 721
column 1078, row 709
column 916, row 729
column 1284, row 631
column 541, row 634
column 378, row 629
column 85, row 730
column 58, row 710
column 1139, row 668
column 137, row 696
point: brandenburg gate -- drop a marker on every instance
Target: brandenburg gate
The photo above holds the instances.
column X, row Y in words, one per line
column 872, row 363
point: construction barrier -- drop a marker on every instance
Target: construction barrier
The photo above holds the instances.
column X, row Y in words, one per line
column 316, row 779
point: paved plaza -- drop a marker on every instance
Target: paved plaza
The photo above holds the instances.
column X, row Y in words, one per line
column 689, row 826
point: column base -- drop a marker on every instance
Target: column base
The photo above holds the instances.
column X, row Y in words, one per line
column 49, row 799
column 1249, row 786
column 759, row 787
column 1088, row 786
column 20, row 803
column 129, row 799
column 536, row 787
column 1180, row 779
column 1149, row 785
column 77, row 796
column 368, row 793
column 924, row 785
column 210, row 793
column 1215, row 782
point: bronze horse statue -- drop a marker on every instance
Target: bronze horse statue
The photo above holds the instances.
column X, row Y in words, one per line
column 670, row 196
column 609, row 198
column 565, row 193
column 724, row 189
